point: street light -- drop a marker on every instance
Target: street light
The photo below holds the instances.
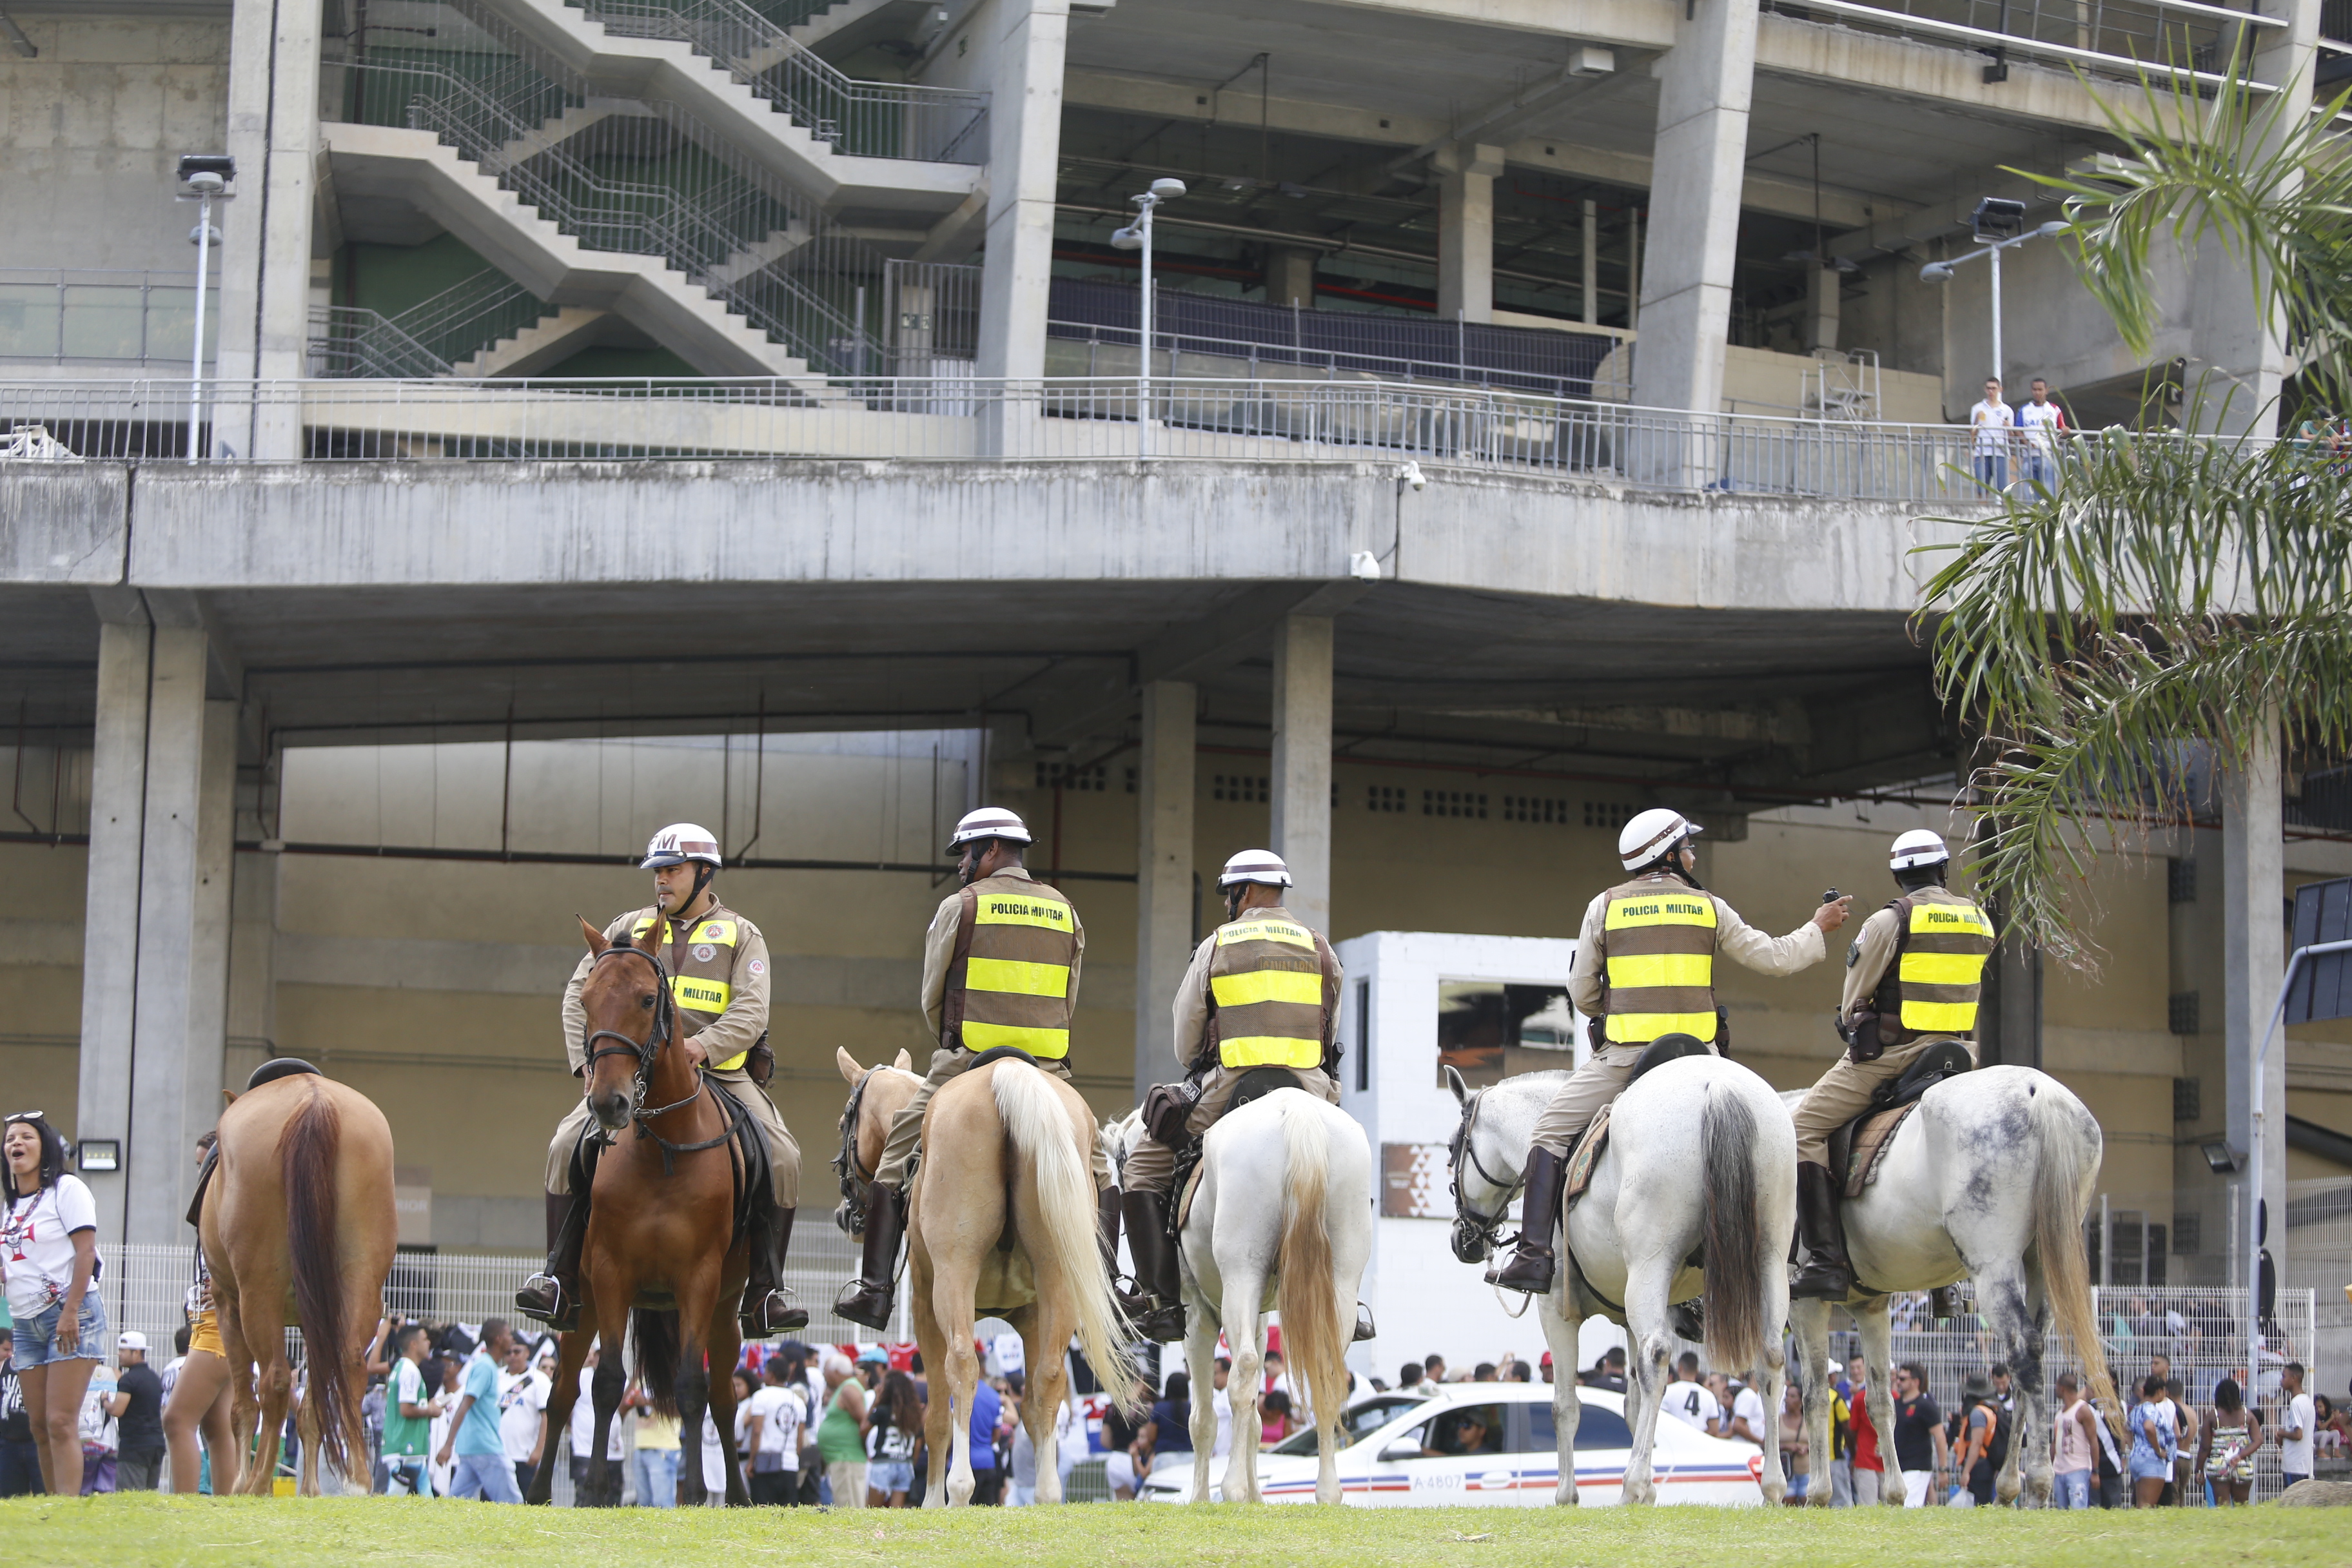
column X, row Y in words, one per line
column 1136, row 235
column 1999, row 223
column 206, row 176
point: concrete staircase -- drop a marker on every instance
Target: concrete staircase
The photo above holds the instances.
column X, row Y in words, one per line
column 845, row 27
column 546, row 343
column 646, row 291
column 671, row 70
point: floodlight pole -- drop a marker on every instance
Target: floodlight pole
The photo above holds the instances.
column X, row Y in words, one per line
column 2255, row 1140
column 204, row 268
column 1143, row 362
column 1941, row 272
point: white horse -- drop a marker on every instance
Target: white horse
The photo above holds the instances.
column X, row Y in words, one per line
column 1282, row 1219
column 1700, row 1154
column 1988, row 1179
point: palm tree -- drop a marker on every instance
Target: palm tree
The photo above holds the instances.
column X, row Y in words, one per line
column 2169, row 593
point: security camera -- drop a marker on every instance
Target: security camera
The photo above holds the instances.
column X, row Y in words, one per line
column 1166, row 190
column 1409, row 473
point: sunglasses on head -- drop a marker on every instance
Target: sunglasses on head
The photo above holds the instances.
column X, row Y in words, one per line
column 27, row 1116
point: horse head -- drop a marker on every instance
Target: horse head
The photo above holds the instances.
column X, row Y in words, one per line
column 1474, row 1232
column 876, row 1095
column 626, row 999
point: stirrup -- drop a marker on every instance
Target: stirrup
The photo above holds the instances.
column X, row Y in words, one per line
column 1525, row 1258
column 1685, row 1322
column 1364, row 1329
column 542, row 1299
column 772, row 1313
column 1163, row 1325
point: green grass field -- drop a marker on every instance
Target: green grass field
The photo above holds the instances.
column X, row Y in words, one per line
column 119, row 1532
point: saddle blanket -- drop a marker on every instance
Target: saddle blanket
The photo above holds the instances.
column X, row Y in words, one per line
column 1872, row 1137
column 1584, row 1156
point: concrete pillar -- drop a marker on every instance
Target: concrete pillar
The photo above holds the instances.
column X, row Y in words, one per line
column 2254, row 960
column 1024, row 139
column 2009, row 1023
column 1290, row 275
column 1822, row 286
column 1302, row 763
column 1697, row 165
column 1163, row 864
column 156, row 939
column 273, row 133
column 1591, row 260
column 2237, row 355
column 1466, row 231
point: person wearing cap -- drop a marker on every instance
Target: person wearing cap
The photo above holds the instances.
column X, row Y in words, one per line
column 718, row 965
column 1263, row 989
column 1912, row 977
column 1645, row 969
column 138, row 1404
column 999, row 972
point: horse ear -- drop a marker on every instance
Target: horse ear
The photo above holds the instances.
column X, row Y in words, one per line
column 596, row 942
column 848, row 1063
column 1454, row 1081
column 905, row 1062
column 228, row 1096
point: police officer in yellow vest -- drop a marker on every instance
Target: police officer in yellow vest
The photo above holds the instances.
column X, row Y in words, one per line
column 1912, row 980
column 1646, row 968
column 717, row 963
column 999, row 968
column 1263, row 990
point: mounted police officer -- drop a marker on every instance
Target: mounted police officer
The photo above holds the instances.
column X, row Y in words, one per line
column 1263, row 990
column 999, row 968
column 717, row 963
column 1644, row 968
column 1913, row 978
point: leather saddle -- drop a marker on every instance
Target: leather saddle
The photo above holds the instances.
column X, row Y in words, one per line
column 269, row 1071
column 1666, row 1049
column 1000, row 1054
column 1857, row 1148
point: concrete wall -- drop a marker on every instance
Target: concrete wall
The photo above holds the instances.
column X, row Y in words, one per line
column 94, row 128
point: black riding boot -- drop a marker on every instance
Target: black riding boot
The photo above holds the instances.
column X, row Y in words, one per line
column 1156, row 1270
column 551, row 1296
column 1826, row 1275
column 1531, row 1266
column 767, row 1310
column 867, row 1299
column 1134, row 1303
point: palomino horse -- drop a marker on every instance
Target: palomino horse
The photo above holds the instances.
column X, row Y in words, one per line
column 1002, row 1221
column 1282, row 1218
column 1700, row 1154
column 298, row 1221
column 662, row 1240
column 1988, row 1179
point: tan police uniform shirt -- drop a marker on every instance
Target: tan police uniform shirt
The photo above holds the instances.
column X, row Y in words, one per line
column 731, row 1033
column 1192, row 1005
column 939, row 952
column 1734, row 937
column 1866, row 961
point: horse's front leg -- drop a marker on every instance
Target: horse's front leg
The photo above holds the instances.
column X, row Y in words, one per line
column 1560, row 1333
column 604, row 1390
column 570, row 1355
column 726, row 1346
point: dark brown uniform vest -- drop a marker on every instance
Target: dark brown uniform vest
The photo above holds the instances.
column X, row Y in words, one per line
column 1008, row 983
column 1937, row 974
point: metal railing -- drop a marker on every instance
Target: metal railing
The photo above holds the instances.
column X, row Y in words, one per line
column 864, row 119
column 430, row 338
column 61, row 315
column 2112, row 38
column 644, row 179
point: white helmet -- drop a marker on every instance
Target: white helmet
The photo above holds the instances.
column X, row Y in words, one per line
column 1255, row 866
column 678, row 843
column 1916, row 848
column 989, row 822
column 1651, row 836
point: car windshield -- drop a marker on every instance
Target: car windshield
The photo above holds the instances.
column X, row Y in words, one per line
column 1363, row 1418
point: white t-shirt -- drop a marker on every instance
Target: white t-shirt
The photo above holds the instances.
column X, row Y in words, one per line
column 2295, row 1453
column 2043, row 421
column 584, row 1420
column 521, row 1401
column 1748, row 1404
column 1994, row 420
column 1692, row 1404
column 780, row 1413
column 99, row 1424
column 36, row 1246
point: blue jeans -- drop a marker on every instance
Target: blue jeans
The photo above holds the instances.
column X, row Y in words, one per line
column 35, row 1337
column 1992, row 471
column 408, row 1474
column 2071, row 1488
column 485, row 1476
column 657, row 1478
column 2038, row 468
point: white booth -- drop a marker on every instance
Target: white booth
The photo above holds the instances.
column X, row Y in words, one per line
column 1492, row 1008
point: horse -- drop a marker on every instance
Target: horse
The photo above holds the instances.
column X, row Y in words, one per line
column 1988, row 1179
column 663, row 1253
column 298, row 1221
column 1282, row 1218
column 1002, row 1220
column 1700, row 1154
column 876, row 1095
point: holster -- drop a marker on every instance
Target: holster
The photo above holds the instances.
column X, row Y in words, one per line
column 1864, row 1043
column 759, row 1062
column 1168, row 1108
column 1723, row 1032
column 1596, row 1032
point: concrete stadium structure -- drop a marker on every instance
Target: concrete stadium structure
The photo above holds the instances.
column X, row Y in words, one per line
column 335, row 700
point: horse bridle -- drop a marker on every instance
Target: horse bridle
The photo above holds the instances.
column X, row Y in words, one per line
column 1469, row 1225
column 664, row 1029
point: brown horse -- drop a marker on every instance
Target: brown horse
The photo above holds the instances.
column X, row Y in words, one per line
column 662, row 1239
column 1002, row 1221
column 298, row 1221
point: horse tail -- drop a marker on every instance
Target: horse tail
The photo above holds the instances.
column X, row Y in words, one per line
column 1305, row 1293
column 659, row 1345
column 306, row 1157
column 1735, row 1260
column 1045, row 1144
column 2059, row 1175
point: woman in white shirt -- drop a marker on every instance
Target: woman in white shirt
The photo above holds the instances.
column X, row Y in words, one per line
column 49, row 1252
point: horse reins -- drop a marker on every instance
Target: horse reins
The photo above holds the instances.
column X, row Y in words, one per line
column 645, row 1051
column 1466, row 1145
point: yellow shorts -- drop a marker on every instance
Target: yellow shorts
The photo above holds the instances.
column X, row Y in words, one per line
column 204, row 1334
